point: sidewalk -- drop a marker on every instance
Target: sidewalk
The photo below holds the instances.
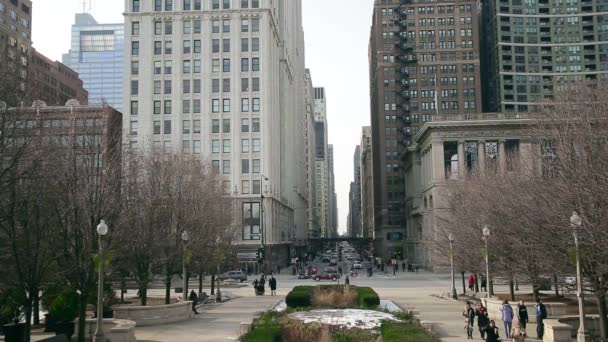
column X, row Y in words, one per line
column 218, row 322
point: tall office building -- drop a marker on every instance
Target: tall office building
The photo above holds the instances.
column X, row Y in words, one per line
column 367, row 189
column 15, row 49
column 224, row 81
column 424, row 61
column 533, row 47
column 333, row 198
column 53, row 82
column 97, row 54
column 314, row 228
column 355, row 195
column 322, row 184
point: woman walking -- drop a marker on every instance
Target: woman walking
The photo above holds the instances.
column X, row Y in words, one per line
column 492, row 332
column 471, row 282
column 507, row 316
column 482, row 320
column 469, row 313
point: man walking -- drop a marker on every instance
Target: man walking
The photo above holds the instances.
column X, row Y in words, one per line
column 541, row 314
column 194, row 298
column 273, row 286
column 522, row 315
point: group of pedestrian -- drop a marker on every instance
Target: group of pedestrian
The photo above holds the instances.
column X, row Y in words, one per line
column 514, row 322
column 259, row 286
column 483, row 283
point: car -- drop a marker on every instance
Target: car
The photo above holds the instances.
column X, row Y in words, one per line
column 357, row 266
column 326, row 276
column 312, row 270
column 304, row 275
column 349, row 258
column 326, row 260
column 236, row 275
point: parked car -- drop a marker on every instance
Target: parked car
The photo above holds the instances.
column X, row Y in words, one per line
column 312, row 270
column 357, row 266
column 236, row 275
column 326, row 276
column 304, row 275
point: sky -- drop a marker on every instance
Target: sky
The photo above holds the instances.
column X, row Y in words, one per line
column 336, row 33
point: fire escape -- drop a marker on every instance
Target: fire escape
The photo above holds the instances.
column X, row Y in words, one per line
column 407, row 58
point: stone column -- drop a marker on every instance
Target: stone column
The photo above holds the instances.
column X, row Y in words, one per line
column 461, row 161
column 437, row 162
column 481, row 154
column 502, row 157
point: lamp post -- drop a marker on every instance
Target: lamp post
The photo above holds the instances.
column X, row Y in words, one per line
column 486, row 238
column 218, row 293
column 575, row 223
column 262, row 227
column 451, row 239
column 185, row 238
column 102, row 230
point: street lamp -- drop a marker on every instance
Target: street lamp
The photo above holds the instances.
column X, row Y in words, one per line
column 262, row 227
column 102, row 230
column 451, row 239
column 185, row 238
column 575, row 223
column 486, row 238
column 218, row 293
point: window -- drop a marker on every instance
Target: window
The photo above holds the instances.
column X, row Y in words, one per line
column 244, row 25
column 245, row 145
column 244, row 105
column 157, row 67
column 256, row 145
column 226, row 126
column 167, row 87
column 186, row 106
column 158, row 5
column 134, row 107
column 134, row 67
column 215, row 146
column 226, row 146
column 215, row 4
column 168, row 5
column 215, row 45
column 196, row 146
column 168, row 107
column 215, row 85
column 255, row 106
column 187, row 46
column 186, row 146
column 226, row 85
column 215, row 106
column 134, row 87
column 256, row 187
column 186, row 66
column 197, row 86
column 255, row 25
column 197, row 25
column 244, row 84
column 245, row 166
column 187, row 5
column 196, row 106
column 135, row 48
column 256, row 84
column 226, row 4
column 197, row 46
column 135, row 28
column 133, row 128
column 226, row 65
column 196, row 126
column 244, row 125
column 215, row 65
column 186, row 127
column 215, row 165
column 187, row 27
column 215, row 26
column 197, row 66
column 226, row 106
column 255, row 125
column 244, row 64
column 255, row 44
column 226, row 26
column 244, row 3
column 156, row 127
column 256, row 166
column 158, row 48
column 245, row 187
column 136, row 6
column 255, row 64
column 168, row 47
column 226, row 45
column 215, row 126
column 168, row 67
column 167, row 127
column 255, row 3
column 244, row 44
column 156, row 107
column 226, row 167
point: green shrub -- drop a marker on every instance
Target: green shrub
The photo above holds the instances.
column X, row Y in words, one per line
column 300, row 296
column 368, row 298
column 397, row 332
column 266, row 328
column 65, row 306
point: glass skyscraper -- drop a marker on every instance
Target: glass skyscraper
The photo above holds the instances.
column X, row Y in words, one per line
column 97, row 54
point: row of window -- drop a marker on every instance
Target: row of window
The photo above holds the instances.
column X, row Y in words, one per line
column 247, row 146
column 189, row 5
column 426, row 10
column 226, row 126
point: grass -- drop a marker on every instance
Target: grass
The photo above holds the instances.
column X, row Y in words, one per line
column 405, row 332
column 266, row 329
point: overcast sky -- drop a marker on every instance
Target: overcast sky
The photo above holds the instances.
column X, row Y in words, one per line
column 337, row 35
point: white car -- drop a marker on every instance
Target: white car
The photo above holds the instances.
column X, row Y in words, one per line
column 357, row 266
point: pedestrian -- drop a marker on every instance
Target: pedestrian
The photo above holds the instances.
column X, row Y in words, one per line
column 541, row 314
column 262, row 285
column 403, row 266
column 347, row 281
column 484, row 284
column 194, row 298
column 482, row 320
column 471, row 282
column 273, row 286
column 492, row 332
column 507, row 317
column 517, row 333
column 469, row 315
column 255, row 286
column 522, row 316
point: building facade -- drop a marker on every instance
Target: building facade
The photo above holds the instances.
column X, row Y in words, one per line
column 333, row 198
column 322, row 162
column 15, row 49
column 53, row 82
column 97, row 53
column 531, row 48
column 355, row 212
column 366, row 181
column 424, row 61
column 314, row 228
column 224, row 80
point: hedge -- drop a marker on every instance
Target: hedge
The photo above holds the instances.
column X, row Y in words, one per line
column 300, row 296
column 368, row 298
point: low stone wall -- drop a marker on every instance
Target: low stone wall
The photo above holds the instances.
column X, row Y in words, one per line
column 592, row 324
column 154, row 315
column 554, row 310
column 115, row 330
column 556, row 331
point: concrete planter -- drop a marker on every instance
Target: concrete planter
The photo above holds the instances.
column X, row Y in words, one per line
column 493, row 305
column 556, row 331
column 115, row 330
column 155, row 315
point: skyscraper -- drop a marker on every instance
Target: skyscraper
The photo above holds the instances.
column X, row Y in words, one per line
column 333, row 198
column 322, row 184
column 15, row 49
column 225, row 82
column 367, row 189
column 533, row 47
column 355, row 197
column 424, row 61
column 97, row 54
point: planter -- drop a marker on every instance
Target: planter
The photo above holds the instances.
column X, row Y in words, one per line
column 64, row 328
column 14, row 332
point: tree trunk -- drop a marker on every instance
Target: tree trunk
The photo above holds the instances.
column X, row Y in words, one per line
column 28, row 319
column 601, row 309
column 212, row 283
column 200, row 282
column 464, row 287
column 82, row 313
column 512, row 289
column 143, row 295
column 167, row 290
column 476, row 283
column 36, row 312
column 536, row 291
column 556, row 285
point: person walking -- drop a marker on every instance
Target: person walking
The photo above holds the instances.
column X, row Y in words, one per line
column 255, row 286
column 517, row 333
column 522, row 316
column 347, row 280
column 507, row 317
column 492, row 332
column 541, row 314
column 403, row 266
column 469, row 315
column 273, row 286
column 194, row 298
column 262, row 285
column 482, row 320
column 484, row 284
column 471, row 282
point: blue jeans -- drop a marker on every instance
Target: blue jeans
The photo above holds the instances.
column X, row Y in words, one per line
column 508, row 329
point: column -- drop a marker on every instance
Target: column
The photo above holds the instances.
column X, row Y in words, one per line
column 502, row 157
column 481, row 154
column 461, row 161
column 437, row 163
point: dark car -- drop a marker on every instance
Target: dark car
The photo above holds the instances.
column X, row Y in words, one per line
column 236, row 275
column 304, row 275
column 326, row 276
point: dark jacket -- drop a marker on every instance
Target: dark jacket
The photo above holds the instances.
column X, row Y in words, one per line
column 470, row 315
column 541, row 312
column 193, row 297
column 491, row 334
column 273, row 284
column 482, row 317
column 522, row 313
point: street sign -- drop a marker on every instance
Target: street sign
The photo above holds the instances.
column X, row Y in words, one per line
column 394, row 261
